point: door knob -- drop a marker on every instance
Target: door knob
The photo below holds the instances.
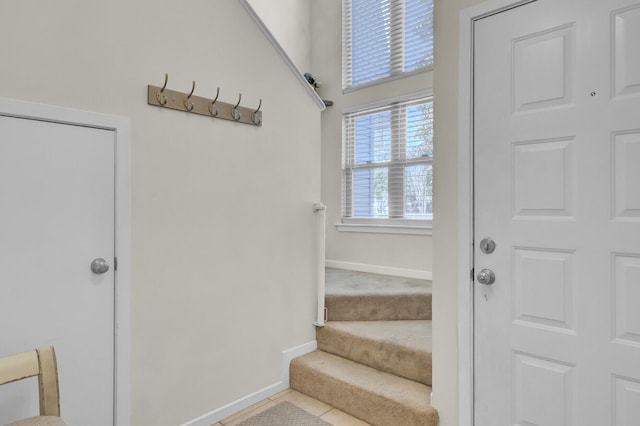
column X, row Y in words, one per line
column 486, row 277
column 99, row 266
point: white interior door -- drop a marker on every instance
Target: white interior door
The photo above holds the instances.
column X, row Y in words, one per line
column 56, row 217
column 557, row 188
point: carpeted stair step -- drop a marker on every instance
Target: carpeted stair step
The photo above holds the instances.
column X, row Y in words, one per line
column 376, row 397
column 361, row 296
column 402, row 348
column 378, row 307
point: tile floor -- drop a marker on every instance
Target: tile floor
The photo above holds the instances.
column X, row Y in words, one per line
column 326, row 412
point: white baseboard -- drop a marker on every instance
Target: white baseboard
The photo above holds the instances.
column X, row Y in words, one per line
column 238, row 405
column 247, row 401
column 377, row 269
column 290, row 354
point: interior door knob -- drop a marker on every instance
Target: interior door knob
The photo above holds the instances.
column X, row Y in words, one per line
column 486, row 277
column 99, row 266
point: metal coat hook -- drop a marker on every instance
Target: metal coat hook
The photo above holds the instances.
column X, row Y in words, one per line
column 255, row 117
column 187, row 101
column 213, row 109
column 234, row 111
column 162, row 99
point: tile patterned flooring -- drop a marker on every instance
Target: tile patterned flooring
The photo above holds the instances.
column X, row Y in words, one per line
column 326, row 412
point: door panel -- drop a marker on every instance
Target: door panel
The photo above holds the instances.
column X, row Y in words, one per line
column 57, row 209
column 626, row 65
column 556, row 186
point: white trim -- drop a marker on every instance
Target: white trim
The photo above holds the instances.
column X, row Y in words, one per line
column 385, row 229
column 379, row 269
column 465, row 200
column 316, row 98
column 465, row 218
column 236, row 406
column 293, row 353
column 413, row 96
column 264, row 393
column 389, row 79
column 121, row 128
column 123, row 274
column 321, row 240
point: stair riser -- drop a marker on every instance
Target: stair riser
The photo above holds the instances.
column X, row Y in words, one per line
column 379, row 307
column 401, row 361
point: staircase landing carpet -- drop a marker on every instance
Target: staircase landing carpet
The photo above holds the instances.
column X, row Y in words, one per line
column 361, row 296
column 284, row 414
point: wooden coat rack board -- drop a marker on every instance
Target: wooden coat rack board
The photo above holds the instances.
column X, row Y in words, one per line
column 166, row 98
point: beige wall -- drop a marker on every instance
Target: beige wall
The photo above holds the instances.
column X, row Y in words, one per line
column 222, row 222
column 289, row 22
column 398, row 251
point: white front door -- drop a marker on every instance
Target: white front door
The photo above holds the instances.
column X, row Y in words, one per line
column 557, row 188
column 56, row 217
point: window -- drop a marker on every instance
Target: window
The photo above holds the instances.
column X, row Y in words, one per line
column 387, row 175
column 385, row 38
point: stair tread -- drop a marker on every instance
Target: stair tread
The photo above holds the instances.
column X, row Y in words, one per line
column 374, row 381
column 378, row 307
column 402, row 348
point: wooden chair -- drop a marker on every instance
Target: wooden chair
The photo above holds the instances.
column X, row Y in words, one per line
column 42, row 363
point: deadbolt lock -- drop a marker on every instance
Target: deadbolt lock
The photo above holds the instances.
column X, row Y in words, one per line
column 487, row 245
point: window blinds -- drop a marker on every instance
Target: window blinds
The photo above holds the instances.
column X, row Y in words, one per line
column 387, row 158
column 385, row 38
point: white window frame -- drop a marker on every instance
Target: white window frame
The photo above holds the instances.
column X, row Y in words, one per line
column 397, row 53
column 390, row 225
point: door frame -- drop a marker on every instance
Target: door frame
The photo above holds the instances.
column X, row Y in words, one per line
column 467, row 20
column 121, row 128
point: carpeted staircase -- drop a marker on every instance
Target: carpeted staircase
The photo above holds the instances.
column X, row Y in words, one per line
column 374, row 354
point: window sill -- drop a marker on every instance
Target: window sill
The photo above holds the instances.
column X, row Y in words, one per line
column 391, row 228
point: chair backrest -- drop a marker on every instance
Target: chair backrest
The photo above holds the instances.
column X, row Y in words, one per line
column 38, row 362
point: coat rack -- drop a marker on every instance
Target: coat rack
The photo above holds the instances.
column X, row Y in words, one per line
column 166, row 98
